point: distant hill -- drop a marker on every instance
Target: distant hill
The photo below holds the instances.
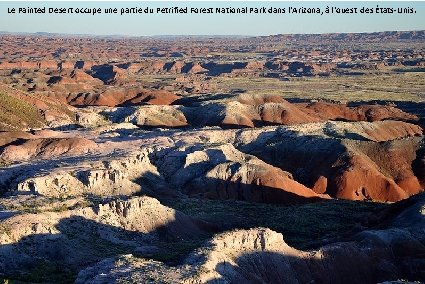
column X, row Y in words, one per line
column 20, row 110
column 369, row 36
column 373, row 36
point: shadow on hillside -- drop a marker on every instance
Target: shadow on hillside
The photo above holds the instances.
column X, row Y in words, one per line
column 56, row 257
column 416, row 108
column 418, row 164
column 346, row 264
column 388, row 248
column 193, row 179
column 222, row 189
column 81, row 242
column 306, row 157
column 193, row 101
column 216, row 69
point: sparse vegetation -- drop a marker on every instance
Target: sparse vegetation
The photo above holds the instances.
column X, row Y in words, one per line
column 408, row 70
column 46, row 272
column 303, row 226
column 385, row 86
column 174, row 253
column 17, row 113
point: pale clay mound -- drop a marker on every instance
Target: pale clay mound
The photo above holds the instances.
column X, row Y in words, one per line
column 378, row 131
column 249, row 111
column 139, row 214
column 261, row 256
column 71, row 236
column 47, row 148
column 225, row 173
column 119, row 96
column 229, row 164
column 112, row 177
column 157, row 116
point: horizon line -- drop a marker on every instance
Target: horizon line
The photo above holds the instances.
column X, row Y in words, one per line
column 42, row 33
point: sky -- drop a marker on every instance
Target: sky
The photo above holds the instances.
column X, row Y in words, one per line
column 209, row 24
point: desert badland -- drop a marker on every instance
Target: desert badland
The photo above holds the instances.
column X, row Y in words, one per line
column 269, row 159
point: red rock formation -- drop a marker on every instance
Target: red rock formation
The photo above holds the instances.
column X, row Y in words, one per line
column 352, row 169
column 46, row 148
column 22, row 110
column 153, row 67
column 225, row 173
column 197, row 69
column 254, row 65
column 253, row 183
column 320, row 185
column 81, row 76
column 259, row 99
column 7, row 137
column 48, row 64
column 19, row 65
column 177, row 67
column 362, row 180
column 78, row 76
column 284, row 113
column 119, row 96
column 390, row 130
column 331, row 111
column 66, row 65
